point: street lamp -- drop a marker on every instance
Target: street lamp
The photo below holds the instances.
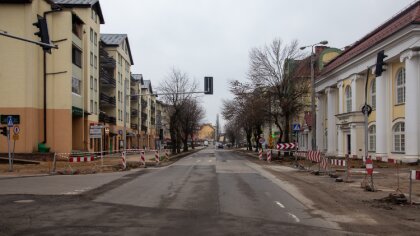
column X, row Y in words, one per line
column 324, row 42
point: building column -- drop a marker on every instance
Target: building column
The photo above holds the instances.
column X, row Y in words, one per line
column 382, row 131
column 332, row 127
column 412, row 105
column 353, row 94
column 340, row 143
column 320, row 121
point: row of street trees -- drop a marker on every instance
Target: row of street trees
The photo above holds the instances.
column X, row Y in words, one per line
column 184, row 109
column 274, row 91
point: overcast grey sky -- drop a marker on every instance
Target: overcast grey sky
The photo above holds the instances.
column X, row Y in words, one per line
column 213, row 37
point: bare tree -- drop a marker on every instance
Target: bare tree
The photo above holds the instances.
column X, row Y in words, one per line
column 190, row 117
column 177, row 88
column 247, row 109
column 273, row 69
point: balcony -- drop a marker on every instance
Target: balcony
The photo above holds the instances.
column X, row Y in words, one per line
column 107, row 101
column 106, row 79
column 105, row 60
column 143, row 116
column 107, row 119
column 134, row 126
column 143, row 103
column 134, row 112
column 144, row 128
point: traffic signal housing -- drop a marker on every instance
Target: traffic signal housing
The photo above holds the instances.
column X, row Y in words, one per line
column 3, row 131
column 208, row 85
column 41, row 24
column 380, row 64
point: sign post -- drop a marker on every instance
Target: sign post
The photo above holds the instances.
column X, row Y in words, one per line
column 9, row 125
column 95, row 132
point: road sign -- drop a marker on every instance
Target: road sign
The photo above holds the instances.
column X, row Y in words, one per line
column 10, row 121
column 369, row 166
column 261, row 140
column 4, row 119
column 16, row 137
column 16, row 130
column 95, row 132
column 296, row 127
column 285, row 146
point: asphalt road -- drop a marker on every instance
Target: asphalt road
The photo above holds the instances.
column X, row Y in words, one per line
column 212, row 192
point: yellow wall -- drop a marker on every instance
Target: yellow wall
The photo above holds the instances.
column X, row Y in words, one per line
column 206, row 132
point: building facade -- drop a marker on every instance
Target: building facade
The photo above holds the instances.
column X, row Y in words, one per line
column 53, row 101
column 394, row 124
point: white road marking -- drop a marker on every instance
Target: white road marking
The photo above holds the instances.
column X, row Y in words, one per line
column 279, row 204
column 294, row 217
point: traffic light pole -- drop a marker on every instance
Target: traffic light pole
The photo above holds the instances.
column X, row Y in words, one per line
column 4, row 33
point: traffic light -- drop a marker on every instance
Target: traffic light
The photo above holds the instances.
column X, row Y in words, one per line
column 3, row 131
column 41, row 24
column 161, row 134
column 208, row 85
column 380, row 65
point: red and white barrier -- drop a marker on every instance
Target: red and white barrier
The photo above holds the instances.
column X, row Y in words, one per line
column 369, row 166
column 142, row 158
column 123, row 160
column 338, row 162
column 260, row 154
column 157, row 157
column 82, row 159
column 415, row 174
column 314, row 156
column 324, row 163
column 269, row 155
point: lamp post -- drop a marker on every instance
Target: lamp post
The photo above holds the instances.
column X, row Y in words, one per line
column 313, row 133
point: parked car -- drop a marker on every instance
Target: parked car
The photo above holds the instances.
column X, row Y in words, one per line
column 220, row 145
column 206, row 143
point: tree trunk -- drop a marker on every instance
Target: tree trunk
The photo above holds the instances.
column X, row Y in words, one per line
column 192, row 141
column 287, row 129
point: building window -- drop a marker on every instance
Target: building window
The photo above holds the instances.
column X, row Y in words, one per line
column 96, row 107
column 75, row 85
column 348, row 99
column 77, row 28
column 96, row 84
column 96, row 61
column 76, row 56
column 96, row 38
column 91, row 106
column 372, row 138
column 91, row 82
column 373, row 93
column 91, row 58
column 401, row 86
column 398, row 133
column 91, row 35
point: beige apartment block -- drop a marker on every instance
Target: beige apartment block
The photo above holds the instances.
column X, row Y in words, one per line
column 70, row 71
column 117, row 47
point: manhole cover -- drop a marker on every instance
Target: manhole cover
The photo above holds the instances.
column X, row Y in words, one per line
column 24, row 201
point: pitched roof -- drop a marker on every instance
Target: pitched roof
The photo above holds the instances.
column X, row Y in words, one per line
column 410, row 15
column 116, row 40
column 147, row 84
column 138, row 77
column 83, row 3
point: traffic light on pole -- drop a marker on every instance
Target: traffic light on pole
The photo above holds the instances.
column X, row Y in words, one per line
column 380, row 64
column 41, row 24
column 208, row 85
column 3, row 131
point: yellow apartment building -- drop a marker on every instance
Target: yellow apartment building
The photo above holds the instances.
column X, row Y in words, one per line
column 394, row 124
column 71, row 73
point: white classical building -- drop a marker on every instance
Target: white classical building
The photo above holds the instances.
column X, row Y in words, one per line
column 394, row 124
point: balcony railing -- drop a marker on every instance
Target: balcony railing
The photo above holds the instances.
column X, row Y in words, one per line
column 134, row 112
column 106, row 78
column 106, row 100
column 107, row 119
